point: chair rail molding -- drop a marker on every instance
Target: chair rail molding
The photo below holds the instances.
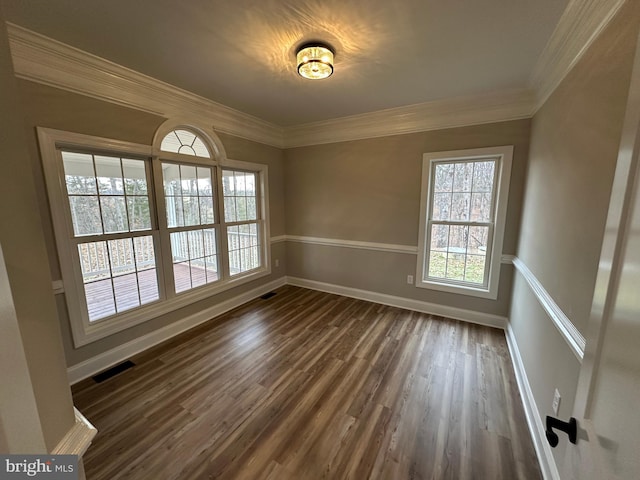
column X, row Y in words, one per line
column 567, row 329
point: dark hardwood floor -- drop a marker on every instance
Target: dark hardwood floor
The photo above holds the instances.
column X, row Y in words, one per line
column 308, row 385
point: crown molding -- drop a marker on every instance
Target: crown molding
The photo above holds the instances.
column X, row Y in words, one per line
column 435, row 115
column 43, row 60
column 578, row 27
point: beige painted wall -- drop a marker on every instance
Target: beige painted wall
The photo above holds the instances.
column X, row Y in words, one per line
column 54, row 108
column 369, row 190
column 574, row 146
column 27, row 267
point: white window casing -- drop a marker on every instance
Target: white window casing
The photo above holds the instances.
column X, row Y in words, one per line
column 450, row 257
column 54, row 142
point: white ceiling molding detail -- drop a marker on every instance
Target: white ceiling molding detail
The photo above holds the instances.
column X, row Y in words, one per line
column 43, row 60
column 455, row 112
column 580, row 24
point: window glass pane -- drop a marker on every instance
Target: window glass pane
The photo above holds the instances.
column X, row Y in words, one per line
column 253, row 231
column 244, row 250
column 212, row 268
column 458, row 237
column 204, row 182
column 462, row 176
column 196, row 244
column 171, row 179
column 139, row 214
column 442, row 206
column 126, row 291
column 478, row 240
column 79, row 174
column 241, row 209
column 480, row 207
column 135, row 179
column 228, row 185
column 437, row 264
column 440, row 238
column 175, row 212
column 210, row 247
column 109, row 175
column 444, row 177
column 198, row 272
column 118, row 275
column 474, row 271
column 182, row 276
column 455, row 266
column 194, row 258
column 180, row 246
column 191, row 211
column 460, row 206
column 483, row 176
column 114, row 214
column 240, row 184
column 252, row 213
column 230, row 209
column 206, row 210
column 85, row 215
column 122, row 257
column 146, row 267
column 250, row 180
column 189, row 180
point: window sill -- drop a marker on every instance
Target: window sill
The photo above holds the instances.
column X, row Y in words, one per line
column 91, row 332
column 480, row 292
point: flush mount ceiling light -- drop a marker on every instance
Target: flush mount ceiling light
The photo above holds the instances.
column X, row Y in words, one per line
column 315, row 61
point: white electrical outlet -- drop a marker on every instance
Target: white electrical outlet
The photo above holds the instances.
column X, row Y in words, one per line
column 556, row 402
column 410, row 279
column 277, row 262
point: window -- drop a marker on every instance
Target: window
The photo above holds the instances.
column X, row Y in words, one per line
column 463, row 211
column 145, row 230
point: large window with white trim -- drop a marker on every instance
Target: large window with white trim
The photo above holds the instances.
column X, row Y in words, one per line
column 143, row 230
column 464, row 197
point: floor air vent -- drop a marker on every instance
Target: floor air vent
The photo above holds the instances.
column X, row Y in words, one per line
column 113, row 371
column 267, row 295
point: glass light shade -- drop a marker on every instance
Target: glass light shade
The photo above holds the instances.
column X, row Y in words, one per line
column 315, row 62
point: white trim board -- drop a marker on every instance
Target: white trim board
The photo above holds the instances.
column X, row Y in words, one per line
column 357, row 244
column 100, row 362
column 43, row 60
column 435, row 115
column 579, row 26
column 336, row 242
column 567, row 329
column 534, row 421
column 455, row 313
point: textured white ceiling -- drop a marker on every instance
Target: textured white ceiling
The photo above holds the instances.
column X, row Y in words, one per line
column 241, row 53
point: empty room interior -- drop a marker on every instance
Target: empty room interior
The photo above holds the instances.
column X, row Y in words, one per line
column 321, row 239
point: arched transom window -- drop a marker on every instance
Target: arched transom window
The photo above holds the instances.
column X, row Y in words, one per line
column 184, row 142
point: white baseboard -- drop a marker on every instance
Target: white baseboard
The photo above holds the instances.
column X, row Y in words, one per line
column 536, row 425
column 116, row 355
column 400, row 302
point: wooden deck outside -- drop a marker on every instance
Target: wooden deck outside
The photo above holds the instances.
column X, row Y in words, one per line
column 100, row 298
column 308, row 385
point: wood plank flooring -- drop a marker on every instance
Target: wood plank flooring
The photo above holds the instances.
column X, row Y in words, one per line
column 308, row 385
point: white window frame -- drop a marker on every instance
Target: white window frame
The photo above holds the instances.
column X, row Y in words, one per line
column 504, row 156
column 51, row 143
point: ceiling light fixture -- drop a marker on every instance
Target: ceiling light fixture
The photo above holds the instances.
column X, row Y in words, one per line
column 315, row 61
